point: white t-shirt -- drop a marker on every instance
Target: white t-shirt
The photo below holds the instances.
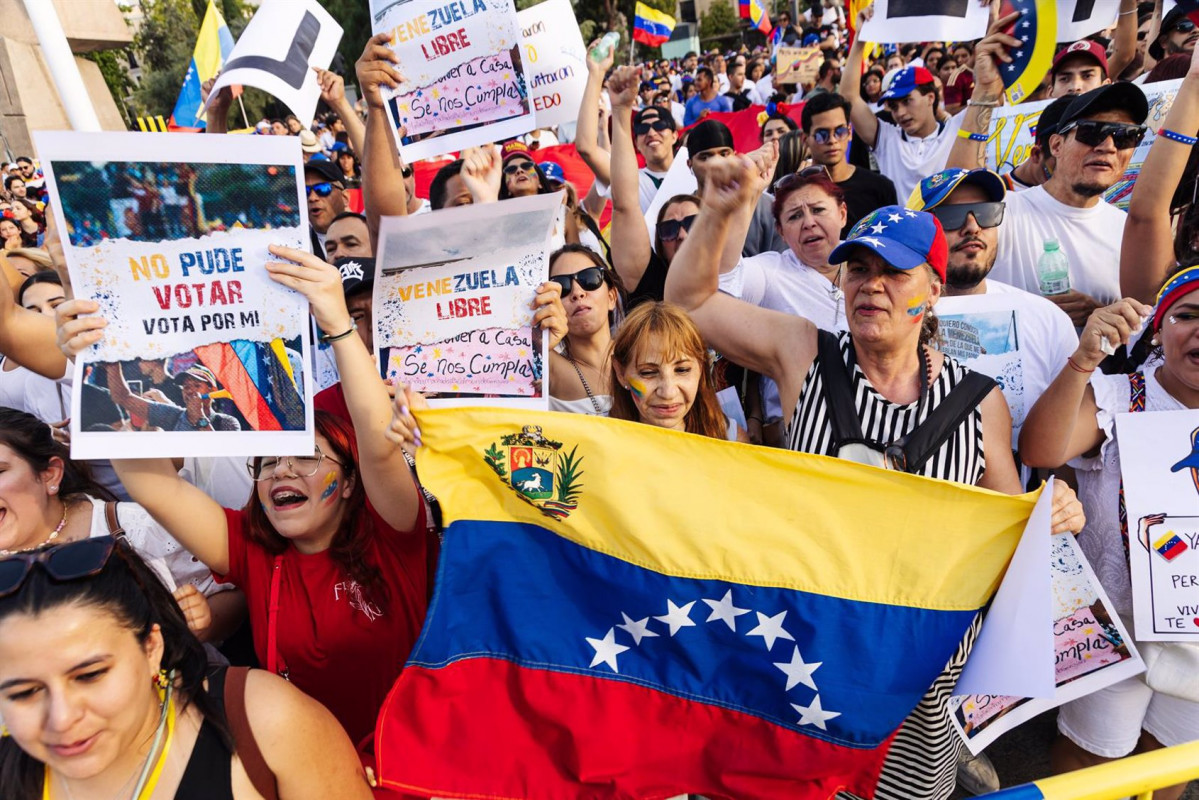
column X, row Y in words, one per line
column 1090, row 238
column 1020, row 339
column 907, row 160
column 25, row 390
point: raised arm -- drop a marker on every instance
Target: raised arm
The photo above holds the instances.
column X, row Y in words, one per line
column 1124, row 42
column 382, row 468
column 27, row 337
column 1147, row 252
column 630, row 238
column 1062, row 424
column 333, row 92
column 863, row 119
column 991, row 53
column 587, row 134
column 383, row 190
column 217, row 112
column 118, row 389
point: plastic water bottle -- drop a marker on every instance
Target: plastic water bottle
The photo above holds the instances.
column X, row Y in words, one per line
column 1053, row 269
column 606, row 45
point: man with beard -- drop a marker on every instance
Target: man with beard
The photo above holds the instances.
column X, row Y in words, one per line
column 1093, row 143
column 1177, row 34
column 1039, row 335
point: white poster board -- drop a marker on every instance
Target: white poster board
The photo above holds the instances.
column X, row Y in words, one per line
column 902, row 21
column 452, row 302
column 555, row 61
column 679, row 180
column 204, row 354
column 1161, row 493
column 464, row 75
column 277, row 51
column 1092, row 651
column 1077, row 19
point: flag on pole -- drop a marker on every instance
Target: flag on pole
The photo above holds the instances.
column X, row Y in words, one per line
column 651, row 27
column 612, row 622
column 759, row 17
column 213, row 46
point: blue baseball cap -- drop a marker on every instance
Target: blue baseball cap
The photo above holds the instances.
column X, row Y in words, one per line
column 905, row 82
column 553, row 171
column 936, row 188
column 1191, row 461
column 904, row 238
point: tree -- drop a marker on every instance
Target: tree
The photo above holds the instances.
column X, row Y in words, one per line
column 355, row 20
column 717, row 22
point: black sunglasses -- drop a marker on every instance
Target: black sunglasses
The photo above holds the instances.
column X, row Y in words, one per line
column 1183, row 25
column 322, row 189
column 670, row 229
column 406, row 172
column 1092, row 133
column 62, row 562
column 659, row 124
column 825, row 135
column 953, row 217
column 589, row 279
column 519, row 165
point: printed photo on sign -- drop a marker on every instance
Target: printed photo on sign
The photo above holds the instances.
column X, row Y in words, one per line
column 555, row 60
column 203, row 353
column 988, row 342
column 452, row 302
column 1092, row 650
column 465, row 82
column 1159, row 455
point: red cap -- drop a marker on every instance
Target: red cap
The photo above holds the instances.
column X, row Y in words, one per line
column 1087, row 48
column 515, row 148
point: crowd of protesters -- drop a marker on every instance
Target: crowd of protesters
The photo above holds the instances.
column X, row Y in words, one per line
column 804, row 274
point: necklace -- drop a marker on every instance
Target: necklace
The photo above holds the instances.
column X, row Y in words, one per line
column 53, row 535
column 586, row 387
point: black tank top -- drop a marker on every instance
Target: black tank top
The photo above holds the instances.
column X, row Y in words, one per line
column 209, row 773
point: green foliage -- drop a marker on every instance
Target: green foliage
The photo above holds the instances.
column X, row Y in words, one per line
column 569, row 473
column 112, row 67
column 355, row 19
column 495, row 459
column 719, row 20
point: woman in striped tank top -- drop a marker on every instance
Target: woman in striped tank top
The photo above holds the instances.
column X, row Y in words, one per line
column 895, row 261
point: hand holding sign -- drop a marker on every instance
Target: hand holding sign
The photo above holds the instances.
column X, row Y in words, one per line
column 992, row 51
column 376, row 67
column 318, row 281
column 77, row 332
column 550, row 314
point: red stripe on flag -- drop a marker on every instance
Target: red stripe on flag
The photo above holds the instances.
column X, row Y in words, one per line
column 457, row 731
column 232, row 374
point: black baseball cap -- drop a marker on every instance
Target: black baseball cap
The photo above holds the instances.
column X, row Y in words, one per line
column 357, row 274
column 1168, row 22
column 327, row 171
column 1047, row 123
column 658, row 113
column 1120, row 96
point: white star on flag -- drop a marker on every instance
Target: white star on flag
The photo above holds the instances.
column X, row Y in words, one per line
column 638, row 630
column 1025, row 24
column 909, row 213
column 814, row 714
column 677, row 617
column 870, row 239
column 606, row 649
column 797, row 671
column 770, row 628
column 1019, row 54
column 878, row 227
column 1011, row 68
column 893, row 218
column 725, row 611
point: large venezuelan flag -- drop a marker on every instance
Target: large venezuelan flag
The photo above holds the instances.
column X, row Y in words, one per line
column 651, row 27
column 623, row 611
column 213, row 46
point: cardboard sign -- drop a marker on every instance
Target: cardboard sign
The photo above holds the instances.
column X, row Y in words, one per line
column 555, row 61
column 798, row 65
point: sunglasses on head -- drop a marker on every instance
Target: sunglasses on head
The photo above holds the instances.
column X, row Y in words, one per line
column 588, row 279
column 62, row 562
column 519, row 165
column 953, row 217
column 659, row 125
column 1092, row 133
column 788, row 181
column 825, row 135
column 670, row 229
column 323, row 189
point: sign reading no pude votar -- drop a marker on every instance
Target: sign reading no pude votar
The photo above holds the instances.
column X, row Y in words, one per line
column 203, row 353
column 555, row 61
column 452, row 302
column 464, row 80
column 1159, row 460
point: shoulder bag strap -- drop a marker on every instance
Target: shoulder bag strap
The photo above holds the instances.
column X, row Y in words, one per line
column 838, row 391
column 943, row 420
column 114, row 524
column 257, row 769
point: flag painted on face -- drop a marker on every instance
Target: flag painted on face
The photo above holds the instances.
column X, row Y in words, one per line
column 651, row 27
column 213, row 46
column 611, row 626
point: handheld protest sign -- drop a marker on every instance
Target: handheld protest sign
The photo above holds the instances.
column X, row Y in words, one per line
column 464, row 76
column 555, row 59
column 452, row 301
column 1037, row 29
column 900, row 21
column 798, row 65
column 277, row 51
column 169, row 234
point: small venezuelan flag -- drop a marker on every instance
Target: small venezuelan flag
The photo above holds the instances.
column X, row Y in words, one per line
column 759, row 17
column 1170, row 546
column 611, row 621
column 651, row 27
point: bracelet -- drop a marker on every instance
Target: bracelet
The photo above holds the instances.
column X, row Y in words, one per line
column 1173, row 136
column 331, row 339
column 1076, row 368
column 983, row 103
column 1126, row 13
column 974, row 137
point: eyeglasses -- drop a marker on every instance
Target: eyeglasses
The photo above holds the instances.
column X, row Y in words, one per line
column 659, row 124
column 670, row 229
column 519, row 165
column 1183, row 25
column 588, row 279
column 953, row 217
column 62, row 562
column 1092, row 133
column 301, row 466
column 825, row 135
column 322, row 189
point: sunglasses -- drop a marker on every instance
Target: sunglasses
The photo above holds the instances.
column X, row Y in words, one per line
column 1183, row 25
column 1092, row 133
column 300, row 466
column 521, row 165
column 824, row 135
column 670, row 229
column 322, row 189
column 659, row 125
column 62, row 562
column 953, row 217
column 588, row 279
column 788, row 181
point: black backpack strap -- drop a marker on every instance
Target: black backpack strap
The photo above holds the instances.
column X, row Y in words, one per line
column 838, row 390
column 943, row 420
